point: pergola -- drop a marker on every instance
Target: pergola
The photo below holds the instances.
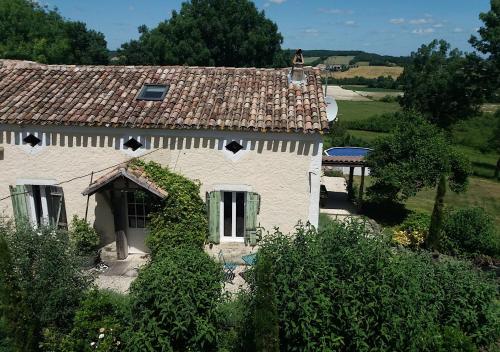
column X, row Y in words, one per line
column 348, row 157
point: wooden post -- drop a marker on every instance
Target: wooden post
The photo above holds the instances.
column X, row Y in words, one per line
column 350, row 182
column 361, row 186
column 88, row 197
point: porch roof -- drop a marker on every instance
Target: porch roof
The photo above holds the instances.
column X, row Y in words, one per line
column 135, row 175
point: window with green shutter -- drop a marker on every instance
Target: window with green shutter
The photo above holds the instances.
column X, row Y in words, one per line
column 19, row 196
column 213, row 207
column 252, row 209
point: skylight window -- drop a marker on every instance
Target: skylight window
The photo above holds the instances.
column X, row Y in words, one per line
column 133, row 144
column 153, row 92
column 31, row 140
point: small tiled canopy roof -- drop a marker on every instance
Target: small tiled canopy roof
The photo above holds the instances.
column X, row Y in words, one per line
column 248, row 99
column 343, row 160
column 134, row 174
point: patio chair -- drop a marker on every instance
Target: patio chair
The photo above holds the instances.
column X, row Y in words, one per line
column 229, row 268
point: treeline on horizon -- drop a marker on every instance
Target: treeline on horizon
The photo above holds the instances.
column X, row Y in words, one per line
column 34, row 32
column 359, row 56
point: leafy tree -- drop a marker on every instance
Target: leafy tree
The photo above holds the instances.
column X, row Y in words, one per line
column 416, row 156
column 40, row 283
column 266, row 315
column 209, row 33
column 442, row 84
column 495, row 143
column 346, row 289
column 174, row 303
column 488, row 44
column 32, row 32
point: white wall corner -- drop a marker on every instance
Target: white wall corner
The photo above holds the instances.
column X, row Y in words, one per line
column 314, row 176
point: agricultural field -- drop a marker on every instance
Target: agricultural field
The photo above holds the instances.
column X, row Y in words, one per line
column 338, row 60
column 370, row 72
column 361, row 110
column 309, row 59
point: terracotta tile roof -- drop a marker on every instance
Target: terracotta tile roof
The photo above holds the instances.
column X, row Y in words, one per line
column 198, row 97
column 343, row 160
column 134, row 174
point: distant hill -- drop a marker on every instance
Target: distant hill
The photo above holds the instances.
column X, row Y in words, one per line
column 358, row 56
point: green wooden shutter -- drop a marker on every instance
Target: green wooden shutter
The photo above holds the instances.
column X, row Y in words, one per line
column 57, row 208
column 19, row 195
column 213, row 203
column 252, row 209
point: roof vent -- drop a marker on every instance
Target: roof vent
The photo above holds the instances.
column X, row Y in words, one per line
column 153, row 92
column 297, row 74
column 31, row 140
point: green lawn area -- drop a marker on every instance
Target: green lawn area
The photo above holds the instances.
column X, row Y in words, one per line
column 483, row 163
column 368, row 89
column 361, row 110
column 367, row 136
column 481, row 192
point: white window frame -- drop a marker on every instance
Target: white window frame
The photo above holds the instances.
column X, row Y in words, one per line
column 233, row 237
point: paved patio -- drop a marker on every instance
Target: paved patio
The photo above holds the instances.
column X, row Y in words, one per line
column 338, row 205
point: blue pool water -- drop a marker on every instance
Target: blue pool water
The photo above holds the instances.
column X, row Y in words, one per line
column 347, row 151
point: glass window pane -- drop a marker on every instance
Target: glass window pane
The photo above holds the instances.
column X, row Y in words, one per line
column 228, row 216
column 132, row 223
column 140, row 209
column 130, row 197
column 140, row 223
column 131, row 209
column 240, row 214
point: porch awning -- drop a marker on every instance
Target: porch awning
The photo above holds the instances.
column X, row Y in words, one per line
column 135, row 175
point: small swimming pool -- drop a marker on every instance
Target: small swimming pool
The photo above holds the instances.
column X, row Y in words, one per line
column 347, row 151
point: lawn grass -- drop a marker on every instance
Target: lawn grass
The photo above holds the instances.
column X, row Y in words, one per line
column 367, row 136
column 481, row 193
column 483, row 163
column 361, row 110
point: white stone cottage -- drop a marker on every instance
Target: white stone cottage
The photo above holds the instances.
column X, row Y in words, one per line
column 250, row 136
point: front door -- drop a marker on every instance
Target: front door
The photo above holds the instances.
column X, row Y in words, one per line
column 138, row 208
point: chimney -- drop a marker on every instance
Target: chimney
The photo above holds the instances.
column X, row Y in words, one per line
column 297, row 74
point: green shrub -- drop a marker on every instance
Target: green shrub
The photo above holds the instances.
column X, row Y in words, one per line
column 99, row 324
column 182, row 219
column 41, row 283
column 85, row 238
column 174, row 303
column 235, row 323
column 470, row 231
column 343, row 289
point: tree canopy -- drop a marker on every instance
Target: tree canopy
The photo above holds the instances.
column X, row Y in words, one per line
column 442, row 84
column 209, row 33
column 32, row 32
column 488, row 44
column 414, row 157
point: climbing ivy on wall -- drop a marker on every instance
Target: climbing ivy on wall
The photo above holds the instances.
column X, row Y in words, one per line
column 182, row 218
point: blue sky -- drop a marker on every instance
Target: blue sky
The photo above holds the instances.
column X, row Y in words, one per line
column 394, row 27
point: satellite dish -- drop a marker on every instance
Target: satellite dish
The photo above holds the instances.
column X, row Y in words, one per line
column 332, row 108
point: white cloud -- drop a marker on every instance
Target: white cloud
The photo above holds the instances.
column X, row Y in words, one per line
column 397, row 20
column 420, row 21
column 438, row 25
column 350, row 23
column 458, row 30
column 423, row 31
column 278, row 2
column 311, row 31
column 335, row 11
